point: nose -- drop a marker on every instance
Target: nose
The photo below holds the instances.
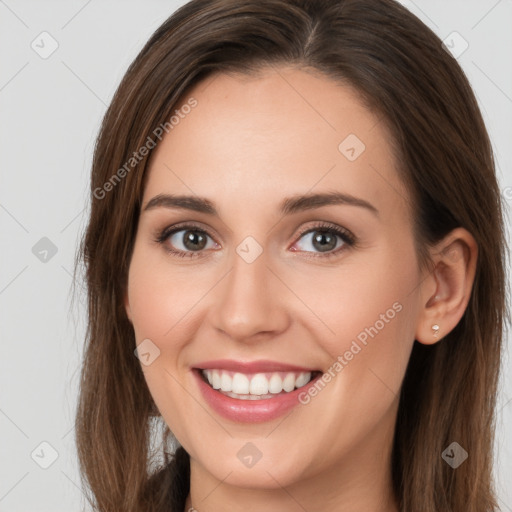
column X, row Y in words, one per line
column 249, row 303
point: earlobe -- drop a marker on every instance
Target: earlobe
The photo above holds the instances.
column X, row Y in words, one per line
column 447, row 287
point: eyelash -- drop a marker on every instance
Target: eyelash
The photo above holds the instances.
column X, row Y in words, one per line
column 347, row 237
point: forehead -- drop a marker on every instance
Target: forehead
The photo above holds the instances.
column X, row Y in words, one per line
column 251, row 140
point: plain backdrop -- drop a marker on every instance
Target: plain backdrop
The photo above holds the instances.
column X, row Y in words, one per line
column 51, row 107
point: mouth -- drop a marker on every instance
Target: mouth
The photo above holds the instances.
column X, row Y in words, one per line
column 255, row 386
column 253, row 392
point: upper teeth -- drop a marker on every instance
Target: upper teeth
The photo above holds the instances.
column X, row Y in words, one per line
column 256, row 384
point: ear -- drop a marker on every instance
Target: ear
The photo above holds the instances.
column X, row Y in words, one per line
column 446, row 289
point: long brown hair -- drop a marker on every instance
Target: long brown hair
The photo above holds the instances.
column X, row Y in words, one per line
column 444, row 156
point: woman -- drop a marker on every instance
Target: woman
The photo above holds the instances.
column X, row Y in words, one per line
column 295, row 265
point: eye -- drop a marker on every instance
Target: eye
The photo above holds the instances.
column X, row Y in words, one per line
column 185, row 241
column 326, row 239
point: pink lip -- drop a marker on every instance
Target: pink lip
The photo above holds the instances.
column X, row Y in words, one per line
column 250, row 411
column 261, row 366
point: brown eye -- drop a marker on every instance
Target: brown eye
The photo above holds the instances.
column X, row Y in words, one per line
column 185, row 241
column 193, row 240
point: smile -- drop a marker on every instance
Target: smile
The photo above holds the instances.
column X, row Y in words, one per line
column 252, row 392
column 256, row 386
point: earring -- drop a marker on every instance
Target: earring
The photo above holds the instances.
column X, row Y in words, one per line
column 435, row 328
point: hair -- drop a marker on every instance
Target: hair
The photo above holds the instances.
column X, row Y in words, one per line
column 444, row 156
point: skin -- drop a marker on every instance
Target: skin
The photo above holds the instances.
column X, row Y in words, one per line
column 250, row 142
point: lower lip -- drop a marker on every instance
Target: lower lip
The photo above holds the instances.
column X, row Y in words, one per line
column 250, row 411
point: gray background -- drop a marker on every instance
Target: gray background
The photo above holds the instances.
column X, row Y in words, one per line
column 51, row 109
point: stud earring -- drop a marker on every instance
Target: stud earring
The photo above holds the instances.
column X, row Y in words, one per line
column 435, row 328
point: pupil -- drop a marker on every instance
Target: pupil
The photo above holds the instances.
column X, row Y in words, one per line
column 322, row 237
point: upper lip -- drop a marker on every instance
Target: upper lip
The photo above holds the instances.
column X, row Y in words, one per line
column 260, row 366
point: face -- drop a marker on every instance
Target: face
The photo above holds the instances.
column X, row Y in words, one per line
column 261, row 289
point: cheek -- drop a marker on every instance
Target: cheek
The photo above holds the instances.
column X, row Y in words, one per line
column 161, row 296
column 359, row 302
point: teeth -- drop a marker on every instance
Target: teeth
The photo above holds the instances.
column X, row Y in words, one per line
column 214, row 379
column 275, row 384
column 260, row 385
column 240, row 384
column 302, row 379
column 225, row 382
column 289, row 382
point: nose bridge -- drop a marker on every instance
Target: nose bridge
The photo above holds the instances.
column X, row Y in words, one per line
column 248, row 302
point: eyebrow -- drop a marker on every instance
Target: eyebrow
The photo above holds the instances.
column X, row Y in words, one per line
column 288, row 206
